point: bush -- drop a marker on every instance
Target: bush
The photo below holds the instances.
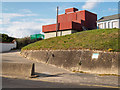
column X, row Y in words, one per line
column 6, row 38
column 21, row 42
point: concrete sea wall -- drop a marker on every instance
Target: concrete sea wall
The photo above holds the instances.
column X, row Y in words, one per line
column 18, row 69
column 99, row 62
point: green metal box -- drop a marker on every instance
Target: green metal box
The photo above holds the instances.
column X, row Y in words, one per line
column 36, row 36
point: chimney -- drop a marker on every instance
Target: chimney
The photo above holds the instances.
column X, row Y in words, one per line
column 70, row 10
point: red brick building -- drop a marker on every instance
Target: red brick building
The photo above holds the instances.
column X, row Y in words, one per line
column 70, row 22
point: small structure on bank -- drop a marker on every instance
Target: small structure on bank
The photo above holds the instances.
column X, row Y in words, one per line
column 36, row 36
column 70, row 22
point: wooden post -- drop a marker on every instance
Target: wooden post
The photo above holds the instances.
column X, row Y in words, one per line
column 57, row 21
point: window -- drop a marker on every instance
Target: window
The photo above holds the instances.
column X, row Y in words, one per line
column 104, row 25
column 100, row 26
column 115, row 24
column 108, row 24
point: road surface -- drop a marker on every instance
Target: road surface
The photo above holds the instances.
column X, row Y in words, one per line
column 53, row 77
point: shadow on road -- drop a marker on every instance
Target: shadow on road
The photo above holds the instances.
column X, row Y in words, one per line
column 47, row 75
column 17, row 50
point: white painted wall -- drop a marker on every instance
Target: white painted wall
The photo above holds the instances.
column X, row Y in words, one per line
column 109, row 24
column 7, row 46
column 59, row 33
column 50, row 35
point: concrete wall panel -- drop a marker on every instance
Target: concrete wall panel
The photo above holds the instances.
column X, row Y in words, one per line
column 80, row 60
column 18, row 69
column 50, row 35
column 59, row 33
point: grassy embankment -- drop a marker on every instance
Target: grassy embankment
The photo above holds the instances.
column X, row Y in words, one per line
column 103, row 39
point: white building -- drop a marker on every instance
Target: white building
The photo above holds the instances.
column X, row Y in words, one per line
column 112, row 21
column 7, row 46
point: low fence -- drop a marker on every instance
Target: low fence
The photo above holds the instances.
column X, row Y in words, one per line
column 7, row 46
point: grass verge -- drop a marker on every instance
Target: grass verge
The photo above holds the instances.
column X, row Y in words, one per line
column 100, row 39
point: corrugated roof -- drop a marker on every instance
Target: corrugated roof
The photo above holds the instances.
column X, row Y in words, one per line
column 116, row 16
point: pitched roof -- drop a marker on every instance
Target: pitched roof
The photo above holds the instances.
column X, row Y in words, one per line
column 116, row 16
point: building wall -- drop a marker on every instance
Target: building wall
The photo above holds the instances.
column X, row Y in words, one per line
column 119, row 23
column 51, row 27
column 7, row 46
column 109, row 24
column 90, row 20
column 73, row 21
column 59, row 33
column 69, row 10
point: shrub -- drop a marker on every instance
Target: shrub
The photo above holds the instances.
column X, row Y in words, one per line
column 6, row 38
column 21, row 42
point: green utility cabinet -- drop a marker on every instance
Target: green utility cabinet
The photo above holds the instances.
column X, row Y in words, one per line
column 36, row 36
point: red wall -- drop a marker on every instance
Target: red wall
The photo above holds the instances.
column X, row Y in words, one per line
column 65, row 25
column 66, row 17
column 76, row 26
column 90, row 20
column 73, row 21
column 69, row 10
column 48, row 28
column 80, row 15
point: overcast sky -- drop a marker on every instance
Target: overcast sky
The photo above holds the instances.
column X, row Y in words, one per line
column 21, row 19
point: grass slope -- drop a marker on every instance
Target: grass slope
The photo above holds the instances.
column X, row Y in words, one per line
column 101, row 39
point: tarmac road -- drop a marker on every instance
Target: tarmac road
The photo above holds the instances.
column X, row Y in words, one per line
column 21, row 83
column 52, row 77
